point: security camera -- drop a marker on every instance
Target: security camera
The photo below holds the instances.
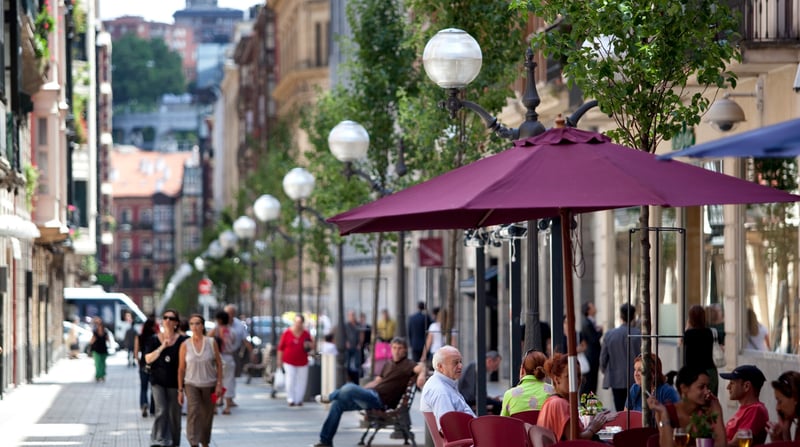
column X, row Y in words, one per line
column 724, row 114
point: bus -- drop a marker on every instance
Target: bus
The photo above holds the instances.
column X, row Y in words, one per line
column 84, row 303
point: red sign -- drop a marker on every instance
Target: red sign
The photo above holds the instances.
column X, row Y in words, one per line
column 431, row 252
column 204, row 286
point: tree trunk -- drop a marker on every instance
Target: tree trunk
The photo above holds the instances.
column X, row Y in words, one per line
column 375, row 303
column 644, row 218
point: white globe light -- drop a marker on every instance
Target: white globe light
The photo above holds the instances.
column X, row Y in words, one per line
column 244, row 227
column 452, row 58
column 267, row 208
column 348, row 141
column 199, row 264
column 215, row 249
column 228, row 240
column 298, row 184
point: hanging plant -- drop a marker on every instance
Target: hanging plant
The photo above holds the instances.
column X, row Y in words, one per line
column 31, row 183
column 43, row 26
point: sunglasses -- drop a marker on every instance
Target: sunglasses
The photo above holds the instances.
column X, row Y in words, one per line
column 169, row 317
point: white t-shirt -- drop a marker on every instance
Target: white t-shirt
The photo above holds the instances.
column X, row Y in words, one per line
column 759, row 341
column 435, row 329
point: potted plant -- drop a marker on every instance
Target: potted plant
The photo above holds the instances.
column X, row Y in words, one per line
column 701, row 428
column 589, row 407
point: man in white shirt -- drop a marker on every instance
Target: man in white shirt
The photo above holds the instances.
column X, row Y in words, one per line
column 440, row 393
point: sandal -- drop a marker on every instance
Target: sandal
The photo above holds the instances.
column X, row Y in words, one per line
column 226, row 411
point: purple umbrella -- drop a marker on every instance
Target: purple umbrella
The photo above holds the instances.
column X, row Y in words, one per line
column 558, row 173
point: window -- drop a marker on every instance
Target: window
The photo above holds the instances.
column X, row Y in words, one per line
column 41, row 131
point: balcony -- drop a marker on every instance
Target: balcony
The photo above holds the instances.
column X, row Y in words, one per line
column 769, row 22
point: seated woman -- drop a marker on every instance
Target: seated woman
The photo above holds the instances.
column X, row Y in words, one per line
column 529, row 394
column 555, row 413
column 787, row 405
column 696, row 400
column 662, row 391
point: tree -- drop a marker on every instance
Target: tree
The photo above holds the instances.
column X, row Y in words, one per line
column 145, row 69
column 637, row 59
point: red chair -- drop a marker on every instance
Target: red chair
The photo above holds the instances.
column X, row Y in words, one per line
column 580, row 443
column 654, row 441
column 492, row 431
column 622, row 418
column 530, row 416
column 784, row 444
column 455, row 426
column 635, row 436
column 438, row 439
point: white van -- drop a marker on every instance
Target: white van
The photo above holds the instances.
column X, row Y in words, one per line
column 84, row 303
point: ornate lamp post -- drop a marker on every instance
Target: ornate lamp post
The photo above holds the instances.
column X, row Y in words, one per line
column 298, row 184
column 267, row 209
column 245, row 229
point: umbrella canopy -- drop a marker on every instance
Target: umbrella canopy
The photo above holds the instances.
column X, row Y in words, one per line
column 560, row 169
column 775, row 141
column 558, row 173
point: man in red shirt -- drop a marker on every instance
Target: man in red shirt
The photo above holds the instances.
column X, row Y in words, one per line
column 745, row 386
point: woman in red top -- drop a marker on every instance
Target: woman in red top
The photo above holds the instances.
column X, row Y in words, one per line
column 293, row 352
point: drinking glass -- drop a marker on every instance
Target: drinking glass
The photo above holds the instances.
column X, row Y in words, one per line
column 745, row 437
column 681, row 437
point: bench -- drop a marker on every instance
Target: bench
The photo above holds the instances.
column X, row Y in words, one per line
column 398, row 417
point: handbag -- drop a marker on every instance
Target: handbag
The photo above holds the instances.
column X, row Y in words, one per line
column 716, row 351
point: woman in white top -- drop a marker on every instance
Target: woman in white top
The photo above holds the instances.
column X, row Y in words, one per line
column 435, row 338
column 199, row 375
column 758, row 337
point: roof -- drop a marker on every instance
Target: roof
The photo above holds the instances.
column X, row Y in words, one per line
column 138, row 173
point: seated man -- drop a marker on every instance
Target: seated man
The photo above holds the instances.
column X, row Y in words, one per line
column 382, row 392
column 467, row 384
column 745, row 386
column 440, row 393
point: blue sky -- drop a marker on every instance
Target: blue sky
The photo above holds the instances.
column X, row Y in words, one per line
column 159, row 10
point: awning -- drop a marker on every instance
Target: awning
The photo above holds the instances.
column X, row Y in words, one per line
column 12, row 225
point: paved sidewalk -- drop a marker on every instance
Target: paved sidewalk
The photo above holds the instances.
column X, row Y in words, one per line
column 67, row 408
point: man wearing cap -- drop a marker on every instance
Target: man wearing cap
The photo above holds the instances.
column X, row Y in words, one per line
column 745, row 386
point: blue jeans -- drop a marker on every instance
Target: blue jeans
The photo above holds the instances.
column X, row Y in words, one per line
column 349, row 397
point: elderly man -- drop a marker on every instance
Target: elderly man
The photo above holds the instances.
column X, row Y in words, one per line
column 744, row 385
column 384, row 391
column 467, row 384
column 440, row 393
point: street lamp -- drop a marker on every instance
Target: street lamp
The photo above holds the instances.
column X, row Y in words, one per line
column 267, row 209
column 349, row 142
column 244, row 227
column 298, row 184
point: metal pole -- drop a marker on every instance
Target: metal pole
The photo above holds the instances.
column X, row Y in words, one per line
column 516, row 308
column 273, row 297
column 480, row 330
column 533, row 329
column 300, row 258
column 401, row 285
column 341, row 372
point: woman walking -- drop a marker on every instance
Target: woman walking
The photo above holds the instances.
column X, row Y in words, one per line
column 99, row 344
column 226, row 339
column 162, row 353
column 148, row 331
column 698, row 344
column 199, row 375
column 293, row 351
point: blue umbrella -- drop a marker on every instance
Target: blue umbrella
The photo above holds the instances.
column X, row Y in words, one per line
column 775, row 141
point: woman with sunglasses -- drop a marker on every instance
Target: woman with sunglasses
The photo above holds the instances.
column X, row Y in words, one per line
column 162, row 354
column 529, row 394
column 199, row 375
column 787, row 398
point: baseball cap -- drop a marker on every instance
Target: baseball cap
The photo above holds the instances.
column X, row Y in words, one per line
column 750, row 373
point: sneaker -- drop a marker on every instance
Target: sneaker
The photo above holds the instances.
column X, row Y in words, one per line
column 322, row 400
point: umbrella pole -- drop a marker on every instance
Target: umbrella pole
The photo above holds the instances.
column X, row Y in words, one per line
column 569, row 303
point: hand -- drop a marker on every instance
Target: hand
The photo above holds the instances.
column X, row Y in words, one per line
column 180, row 398
column 776, row 430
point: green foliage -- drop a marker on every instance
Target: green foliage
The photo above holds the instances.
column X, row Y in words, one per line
column 44, row 24
column 638, row 58
column 144, row 70
column 31, row 183
column 701, row 425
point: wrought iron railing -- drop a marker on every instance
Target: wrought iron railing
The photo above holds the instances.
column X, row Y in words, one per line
column 769, row 21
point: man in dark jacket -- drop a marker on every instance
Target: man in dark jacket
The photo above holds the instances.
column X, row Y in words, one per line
column 591, row 333
column 417, row 328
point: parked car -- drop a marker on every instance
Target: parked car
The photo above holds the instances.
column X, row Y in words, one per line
column 84, row 336
column 260, row 328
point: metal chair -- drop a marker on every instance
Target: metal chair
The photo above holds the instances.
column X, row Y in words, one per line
column 397, row 417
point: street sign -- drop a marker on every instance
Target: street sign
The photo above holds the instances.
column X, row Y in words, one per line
column 204, row 286
column 431, row 252
column 207, row 300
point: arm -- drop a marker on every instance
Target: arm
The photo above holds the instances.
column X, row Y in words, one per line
column 422, row 374
column 665, row 437
column 153, row 356
column 719, row 425
column 218, row 361
column 428, row 342
column 181, row 371
column 604, row 355
column 136, row 350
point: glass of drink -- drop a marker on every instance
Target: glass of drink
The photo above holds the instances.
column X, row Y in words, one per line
column 681, row 437
column 745, row 437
